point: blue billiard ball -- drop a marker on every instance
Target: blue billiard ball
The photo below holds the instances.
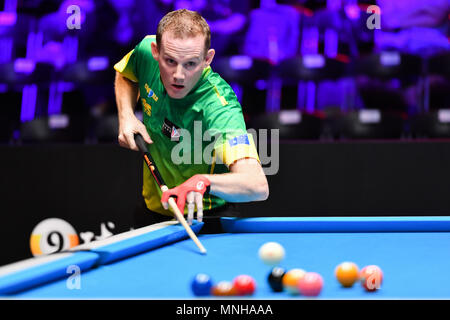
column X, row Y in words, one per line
column 201, row 285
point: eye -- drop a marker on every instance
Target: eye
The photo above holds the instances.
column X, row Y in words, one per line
column 170, row 61
column 191, row 64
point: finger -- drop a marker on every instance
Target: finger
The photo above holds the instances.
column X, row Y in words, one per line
column 199, row 204
column 146, row 136
column 191, row 206
column 130, row 141
column 122, row 141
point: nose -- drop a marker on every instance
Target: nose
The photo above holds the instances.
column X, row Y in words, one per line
column 179, row 74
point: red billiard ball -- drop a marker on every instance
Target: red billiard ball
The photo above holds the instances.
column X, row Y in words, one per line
column 371, row 277
column 311, row 284
column 244, row 285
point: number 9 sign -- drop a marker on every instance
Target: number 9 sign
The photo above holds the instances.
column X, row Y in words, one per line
column 52, row 235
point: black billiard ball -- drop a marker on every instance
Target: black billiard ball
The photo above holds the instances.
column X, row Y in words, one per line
column 275, row 279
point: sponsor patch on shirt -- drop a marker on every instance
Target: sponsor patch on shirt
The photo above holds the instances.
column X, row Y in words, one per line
column 170, row 130
column 151, row 93
column 243, row 139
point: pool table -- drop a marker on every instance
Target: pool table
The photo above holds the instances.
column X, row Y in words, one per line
column 160, row 261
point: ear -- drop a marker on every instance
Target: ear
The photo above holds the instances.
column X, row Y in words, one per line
column 209, row 57
column 155, row 51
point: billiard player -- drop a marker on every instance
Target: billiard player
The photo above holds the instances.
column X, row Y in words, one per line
column 170, row 76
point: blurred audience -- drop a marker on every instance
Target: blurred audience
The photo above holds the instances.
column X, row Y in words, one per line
column 414, row 26
column 227, row 20
column 272, row 30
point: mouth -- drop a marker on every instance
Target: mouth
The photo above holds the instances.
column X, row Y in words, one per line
column 177, row 86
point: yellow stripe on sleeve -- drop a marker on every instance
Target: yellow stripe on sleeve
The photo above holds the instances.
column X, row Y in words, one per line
column 228, row 154
column 221, row 98
column 121, row 67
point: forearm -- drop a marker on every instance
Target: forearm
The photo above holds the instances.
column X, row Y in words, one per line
column 239, row 186
column 127, row 93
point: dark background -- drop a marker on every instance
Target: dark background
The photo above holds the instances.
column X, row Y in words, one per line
column 363, row 113
column 90, row 185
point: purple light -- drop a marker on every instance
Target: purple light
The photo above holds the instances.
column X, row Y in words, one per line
column 56, row 92
column 369, row 116
column 6, row 46
column 28, row 108
column 98, row 63
column 310, row 96
column 444, row 115
column 273, row 97
column 334, row 4
column 34, row 44
column 7, row 19
column 331, row 43
column 10, row 5
column 241, row 62
column 237, row 90
column 54, row 104
column 352, row 11
column 70, row 46
column 22, row 65
column 58, row 121
column 313, row 61
column 261, row 84
column 390, row 58
column 290, row 117
column 139, row 115
column 310, row 41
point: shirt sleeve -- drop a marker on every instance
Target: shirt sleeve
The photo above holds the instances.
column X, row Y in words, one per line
column 133, row 61
column 226, row 123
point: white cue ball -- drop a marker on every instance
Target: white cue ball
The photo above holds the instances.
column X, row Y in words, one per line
column 271, row 253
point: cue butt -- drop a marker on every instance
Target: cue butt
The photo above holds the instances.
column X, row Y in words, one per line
column 158, row 178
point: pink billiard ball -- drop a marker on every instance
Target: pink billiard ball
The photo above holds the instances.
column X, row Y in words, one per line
column 311, row 284
column 371, row 277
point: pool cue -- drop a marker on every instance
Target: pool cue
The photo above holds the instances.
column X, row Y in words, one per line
column 159, row 180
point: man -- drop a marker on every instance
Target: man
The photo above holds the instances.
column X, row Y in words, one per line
column 171, row 76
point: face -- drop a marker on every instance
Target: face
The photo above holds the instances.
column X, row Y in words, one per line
column 181, row 62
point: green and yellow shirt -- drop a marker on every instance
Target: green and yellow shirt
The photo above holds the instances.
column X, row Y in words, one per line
column 202, row 133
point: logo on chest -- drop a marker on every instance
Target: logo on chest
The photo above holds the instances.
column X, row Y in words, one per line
column 170, row 130
column 151, row 93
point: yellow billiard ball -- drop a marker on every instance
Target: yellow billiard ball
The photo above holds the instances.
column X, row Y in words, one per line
column 347, row 273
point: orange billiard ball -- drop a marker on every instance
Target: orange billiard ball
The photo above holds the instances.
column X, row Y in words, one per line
column 371, row 277
column 290, row 280
column 347, row 273
column 224, row 288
